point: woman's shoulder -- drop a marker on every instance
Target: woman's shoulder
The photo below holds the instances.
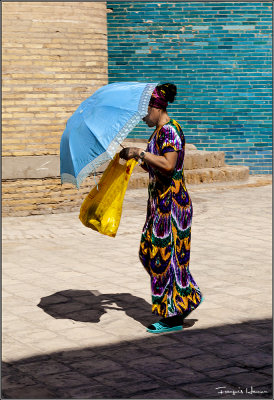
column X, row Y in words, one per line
column 175, row 125
column 171, row 135
column 172, row 127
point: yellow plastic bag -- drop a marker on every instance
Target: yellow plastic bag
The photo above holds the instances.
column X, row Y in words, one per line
column 102, row 208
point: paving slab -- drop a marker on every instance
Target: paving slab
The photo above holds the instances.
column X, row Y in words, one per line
column 76, row 305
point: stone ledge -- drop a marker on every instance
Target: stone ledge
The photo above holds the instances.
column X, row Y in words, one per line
column 222, row 174
column 197, row 159
column 199, row 176
column 48, row 166
column 28, row 167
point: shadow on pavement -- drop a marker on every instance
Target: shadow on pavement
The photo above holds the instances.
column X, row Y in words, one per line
column 90, row 305
column 230, row 361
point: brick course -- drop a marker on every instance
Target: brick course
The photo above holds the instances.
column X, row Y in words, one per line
column 218, row 54
column 54, row 56
column 22, row 197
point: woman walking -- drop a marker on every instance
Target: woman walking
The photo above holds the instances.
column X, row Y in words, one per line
column 165, row 242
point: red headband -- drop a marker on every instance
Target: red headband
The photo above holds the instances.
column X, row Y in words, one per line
column 158, row 100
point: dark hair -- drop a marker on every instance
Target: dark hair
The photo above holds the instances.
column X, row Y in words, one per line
column 169, row 91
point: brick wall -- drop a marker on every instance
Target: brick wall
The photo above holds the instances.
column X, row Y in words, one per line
column 22, row 197
column 218, row 54
column 54, row 56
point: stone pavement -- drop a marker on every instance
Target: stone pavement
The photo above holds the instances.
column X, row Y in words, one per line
column 76, row 303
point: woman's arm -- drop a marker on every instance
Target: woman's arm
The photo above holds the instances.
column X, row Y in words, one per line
column 165, row 163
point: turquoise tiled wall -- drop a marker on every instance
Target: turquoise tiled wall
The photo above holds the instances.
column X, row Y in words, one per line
column 219, row 54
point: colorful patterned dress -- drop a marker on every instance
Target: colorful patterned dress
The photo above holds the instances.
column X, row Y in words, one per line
column 165, row 241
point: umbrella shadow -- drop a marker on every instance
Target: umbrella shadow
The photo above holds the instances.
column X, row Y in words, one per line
column 90, row 305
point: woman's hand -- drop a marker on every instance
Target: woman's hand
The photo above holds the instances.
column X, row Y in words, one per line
column 164, row 164
column 130, row 152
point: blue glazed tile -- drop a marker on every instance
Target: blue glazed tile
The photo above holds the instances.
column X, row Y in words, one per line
column 216, row 86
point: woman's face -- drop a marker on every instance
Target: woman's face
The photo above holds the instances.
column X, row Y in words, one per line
column 152, row 116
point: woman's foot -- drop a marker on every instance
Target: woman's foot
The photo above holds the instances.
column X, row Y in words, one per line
column 170, row 324
column 160, row 327
column 176, row 320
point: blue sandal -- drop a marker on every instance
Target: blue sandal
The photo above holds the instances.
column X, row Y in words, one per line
column 161, row 327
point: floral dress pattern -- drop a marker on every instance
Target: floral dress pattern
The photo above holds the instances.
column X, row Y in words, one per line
column 165, row 242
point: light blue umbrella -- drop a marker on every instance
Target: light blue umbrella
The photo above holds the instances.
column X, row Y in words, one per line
column 99, row 125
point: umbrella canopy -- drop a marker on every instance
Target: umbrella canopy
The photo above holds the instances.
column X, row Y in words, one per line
column 99, row 125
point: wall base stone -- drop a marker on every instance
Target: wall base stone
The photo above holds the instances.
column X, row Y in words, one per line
column 22, row 197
